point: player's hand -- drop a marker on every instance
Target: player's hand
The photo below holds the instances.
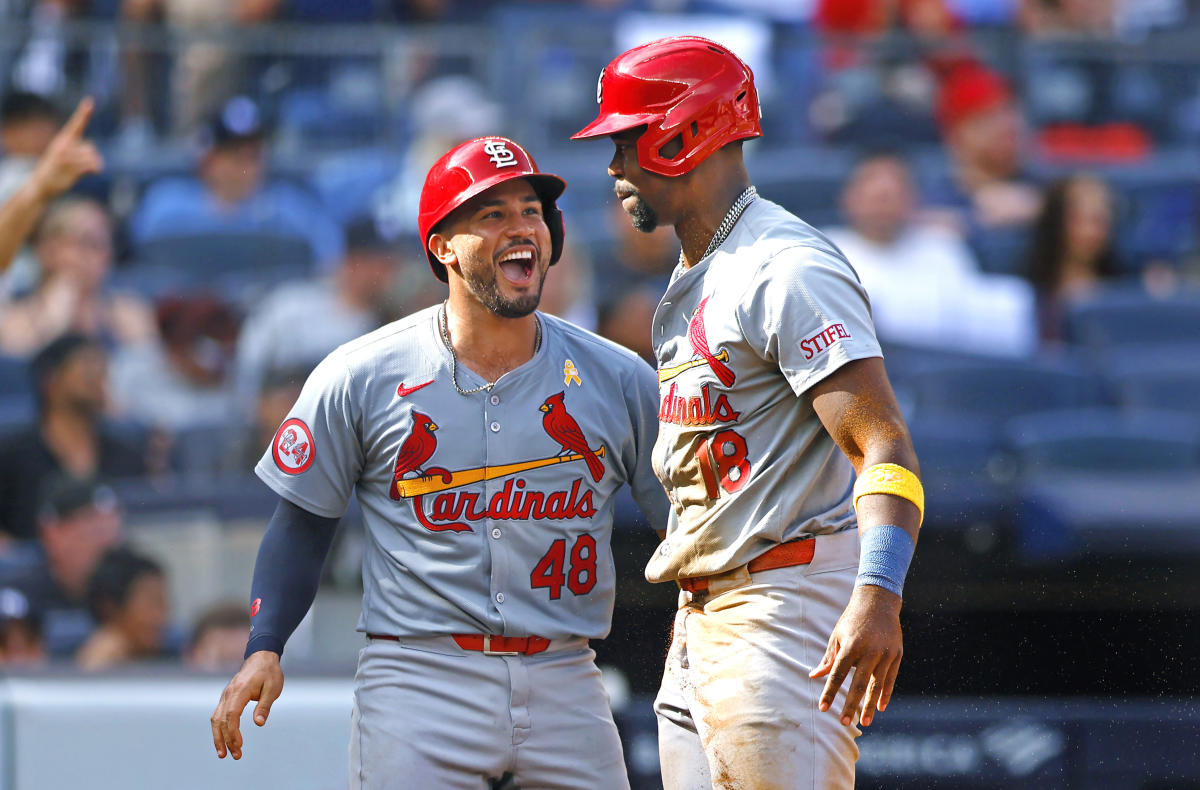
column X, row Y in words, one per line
column 261, row 679
column 68, row 157
column 866, row 639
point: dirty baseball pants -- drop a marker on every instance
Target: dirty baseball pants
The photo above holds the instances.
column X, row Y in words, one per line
column 736, row 707
column 428, row 714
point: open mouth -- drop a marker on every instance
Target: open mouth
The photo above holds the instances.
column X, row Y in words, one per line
column 517, row 265
column 628, row 199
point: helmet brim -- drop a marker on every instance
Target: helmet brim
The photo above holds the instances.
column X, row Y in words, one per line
column 612, row 123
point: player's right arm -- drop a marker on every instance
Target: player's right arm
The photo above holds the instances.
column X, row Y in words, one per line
column 286, row 575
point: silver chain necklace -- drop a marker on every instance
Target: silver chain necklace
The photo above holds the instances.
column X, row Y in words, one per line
column 726, row 227
column 445, row 330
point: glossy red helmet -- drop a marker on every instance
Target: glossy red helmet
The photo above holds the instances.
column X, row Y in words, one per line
column 472, row 168
column 684, row 86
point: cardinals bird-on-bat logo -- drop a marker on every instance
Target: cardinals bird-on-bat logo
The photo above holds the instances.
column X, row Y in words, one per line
column 562, row 428
column 698, row 339
column 441, row 505
column 416, row 451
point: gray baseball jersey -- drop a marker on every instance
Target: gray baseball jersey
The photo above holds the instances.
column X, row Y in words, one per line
column 740, row 338
column 485, row 513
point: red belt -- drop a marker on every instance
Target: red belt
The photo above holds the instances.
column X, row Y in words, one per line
column 783, row 555
column 490, row 645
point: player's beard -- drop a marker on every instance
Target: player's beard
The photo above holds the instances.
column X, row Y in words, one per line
column 644, row 218
column 481, row 281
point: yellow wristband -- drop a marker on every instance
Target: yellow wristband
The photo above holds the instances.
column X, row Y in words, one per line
column 891, row 479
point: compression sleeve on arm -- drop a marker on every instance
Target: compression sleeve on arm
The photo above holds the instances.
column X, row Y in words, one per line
column 286, row 574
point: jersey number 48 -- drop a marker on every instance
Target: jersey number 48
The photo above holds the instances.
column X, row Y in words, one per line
column 579, row 578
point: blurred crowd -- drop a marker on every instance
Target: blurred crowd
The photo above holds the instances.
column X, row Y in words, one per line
column 160, row 322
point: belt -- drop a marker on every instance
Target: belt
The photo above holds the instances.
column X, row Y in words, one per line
column 782, row 555
column 490, row 645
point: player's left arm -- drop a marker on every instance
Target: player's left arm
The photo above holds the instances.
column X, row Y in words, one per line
column 858, row 408
column 641, row 399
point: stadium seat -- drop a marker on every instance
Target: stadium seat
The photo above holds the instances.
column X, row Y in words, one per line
column 14, row 377
column 1130, row 316
column 1106, row 483
column 17, row 408
column 1105, row 440
column 963, row 469
column 1163, row 376
column 992, row 391
column 228, row 263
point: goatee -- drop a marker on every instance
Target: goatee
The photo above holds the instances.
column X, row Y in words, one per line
column 487, row 291
column 644, row 218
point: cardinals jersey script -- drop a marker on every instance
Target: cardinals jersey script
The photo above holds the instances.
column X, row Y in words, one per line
column 485, row 513
column 738, row 337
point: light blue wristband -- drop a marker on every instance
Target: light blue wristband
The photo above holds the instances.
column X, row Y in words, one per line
column 884, row 556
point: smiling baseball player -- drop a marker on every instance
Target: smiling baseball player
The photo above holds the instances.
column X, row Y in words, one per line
column 767, row 366
column 485, row 442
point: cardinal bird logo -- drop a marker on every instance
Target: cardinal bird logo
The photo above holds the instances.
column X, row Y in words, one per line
column 562, row 428
column 698, row 339
column 416, row 450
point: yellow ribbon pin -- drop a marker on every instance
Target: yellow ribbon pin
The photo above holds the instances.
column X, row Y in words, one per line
column 571, row 373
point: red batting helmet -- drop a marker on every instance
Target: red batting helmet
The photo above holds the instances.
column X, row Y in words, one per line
column 683, row 86
column 475, row 166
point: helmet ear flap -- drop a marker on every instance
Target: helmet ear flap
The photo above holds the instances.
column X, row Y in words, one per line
column 558, row 231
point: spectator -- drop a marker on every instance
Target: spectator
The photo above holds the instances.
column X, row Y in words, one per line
column 70, row 435
column 206, row 72
column 1072, row 252
column 627, row 318
column 447, row 110
column 28, row 123
column 277, row 393
column 219, row 639
column 79, row 521
column 982, row 126
column 350, row 302
column 51, row 61
column 63, row 161
column 74, row 248
column 924, row 285
column 1067, row 18
column 184, row 381
column 127, row 596
column 21, row 642
column 231, row 192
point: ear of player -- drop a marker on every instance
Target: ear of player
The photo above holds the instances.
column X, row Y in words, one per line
column 472, row 168
column 683, row 87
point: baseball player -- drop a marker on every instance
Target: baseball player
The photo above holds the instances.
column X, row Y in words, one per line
column 767, row 366
column 485, row 442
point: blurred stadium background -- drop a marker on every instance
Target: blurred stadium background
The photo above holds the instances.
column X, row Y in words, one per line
column 1018, row 182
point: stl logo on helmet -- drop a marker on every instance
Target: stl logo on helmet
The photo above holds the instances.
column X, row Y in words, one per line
column 600, row 87
column 293, row 447
column 497, row 151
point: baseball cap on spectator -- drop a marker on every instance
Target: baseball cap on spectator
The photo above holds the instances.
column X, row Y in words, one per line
column 19, row 106
column 970, row 89
column 454, row 107
column 238, row 121
column 54, row 355
column 364, row 234
column 15, row 605
column 64, row 495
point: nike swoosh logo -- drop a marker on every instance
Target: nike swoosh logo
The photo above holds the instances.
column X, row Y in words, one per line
column 403, row 391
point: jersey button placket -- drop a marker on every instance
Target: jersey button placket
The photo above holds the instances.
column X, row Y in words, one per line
column 499, row 451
